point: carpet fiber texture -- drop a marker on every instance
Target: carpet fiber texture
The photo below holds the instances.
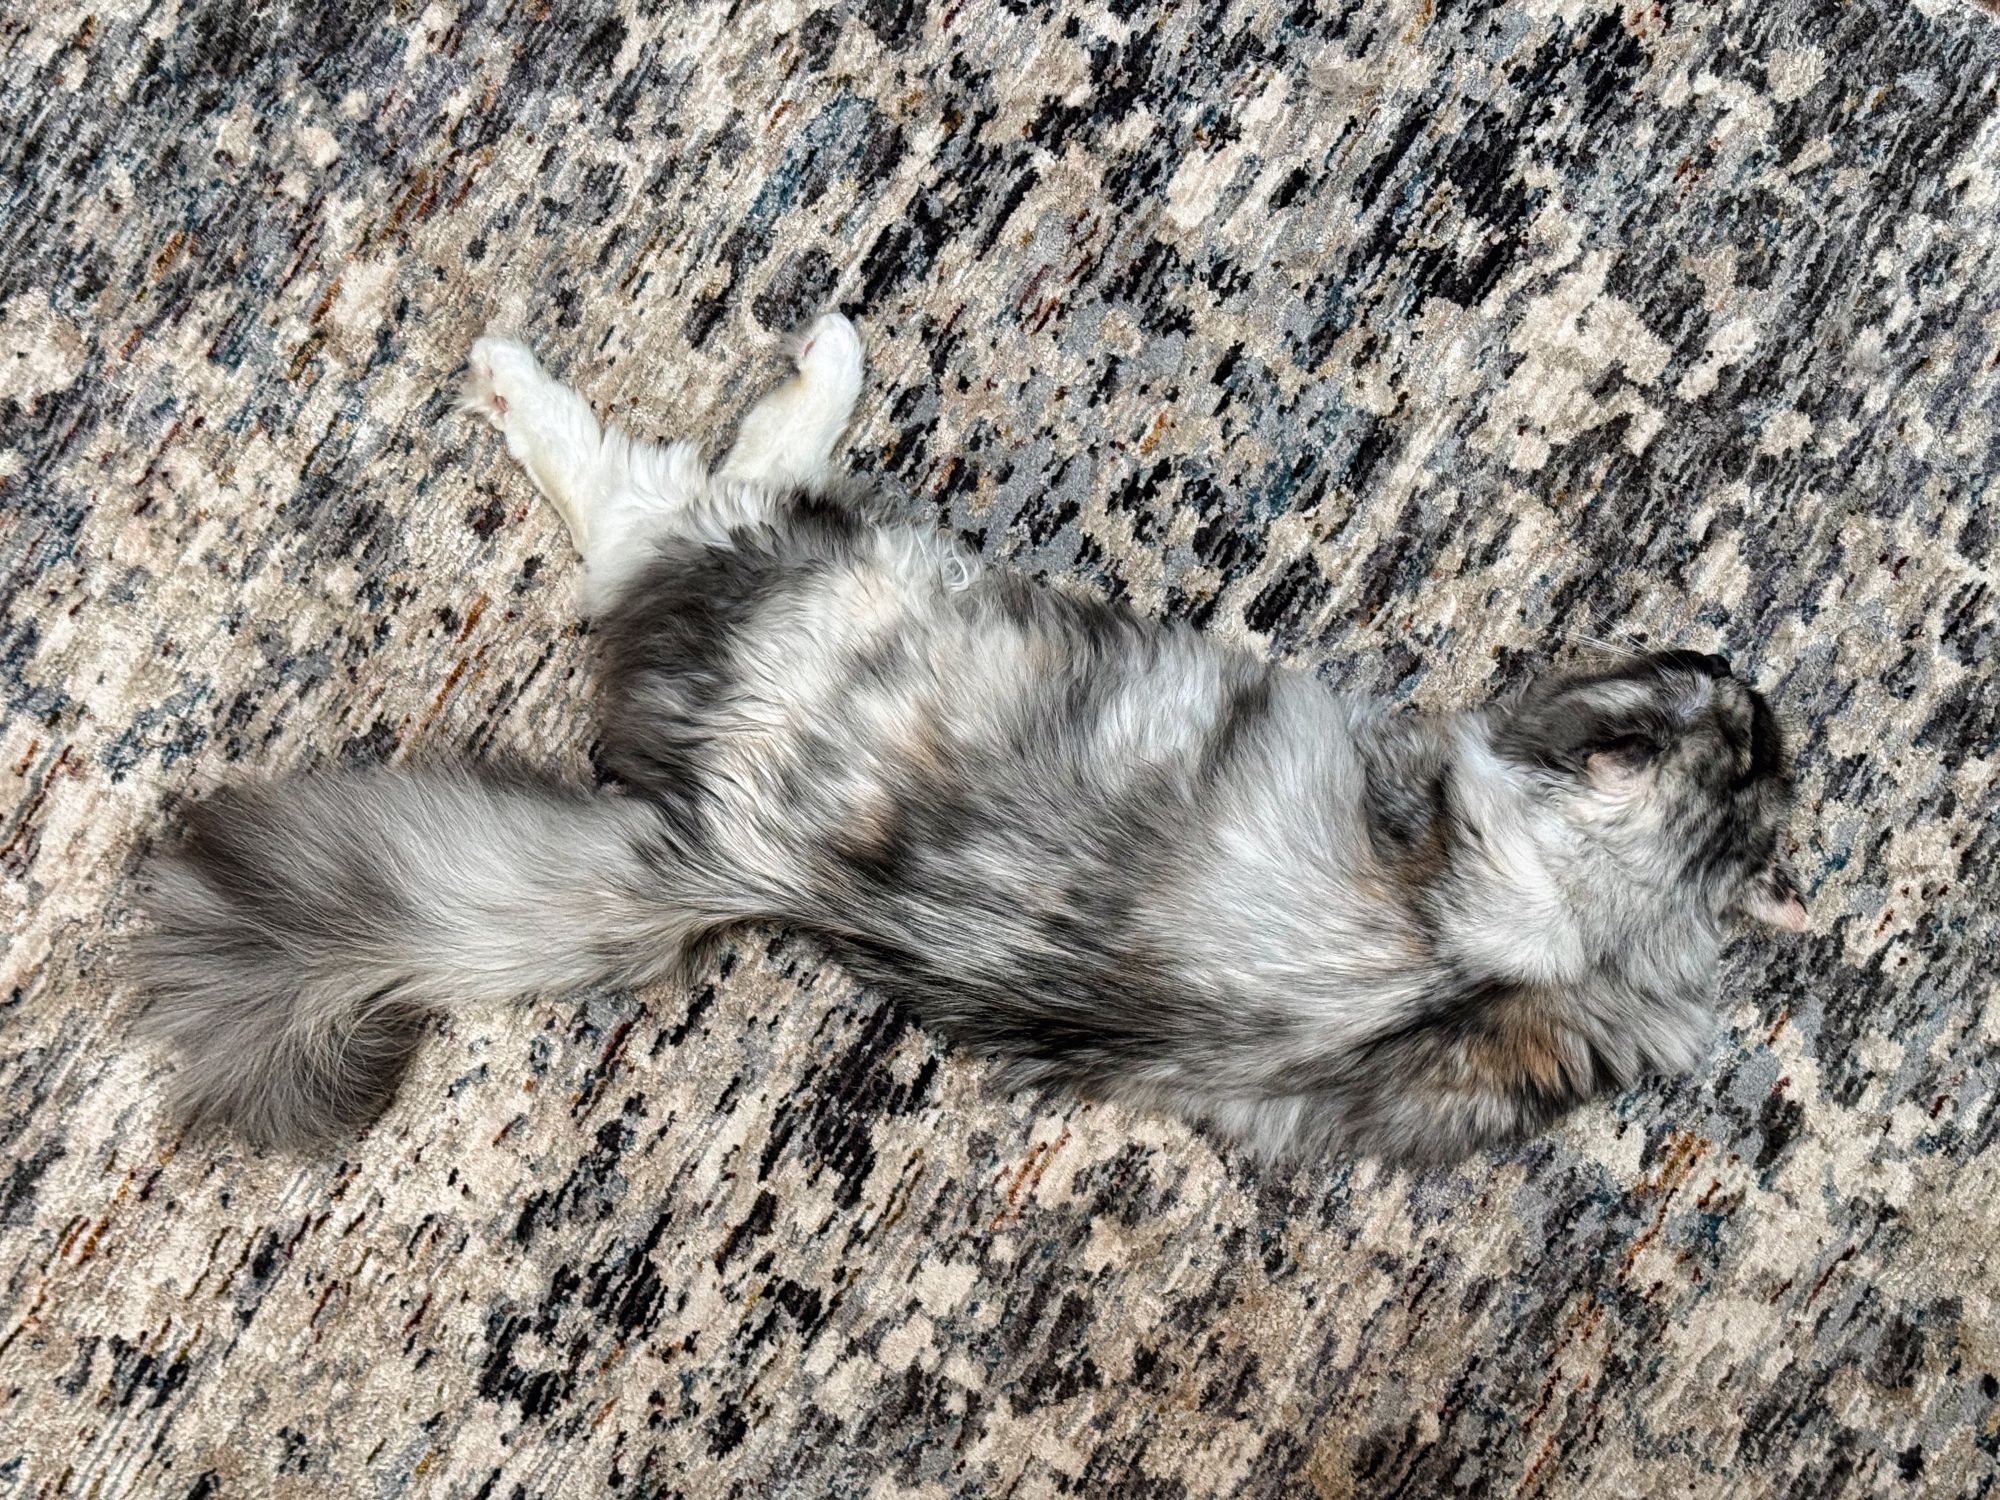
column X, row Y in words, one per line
column 1404, row 341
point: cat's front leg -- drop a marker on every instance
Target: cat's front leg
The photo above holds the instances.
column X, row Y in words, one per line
column 788, row 437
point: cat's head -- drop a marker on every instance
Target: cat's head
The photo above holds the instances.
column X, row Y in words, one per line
column 1676, row 765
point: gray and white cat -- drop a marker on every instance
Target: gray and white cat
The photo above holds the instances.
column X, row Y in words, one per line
column 1112, row 853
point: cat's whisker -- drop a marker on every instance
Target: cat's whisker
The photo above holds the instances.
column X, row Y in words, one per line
column 1635, row 647
column 1600, row 644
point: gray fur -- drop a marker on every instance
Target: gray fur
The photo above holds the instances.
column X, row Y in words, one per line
column 303, row 931
column 1116, row 855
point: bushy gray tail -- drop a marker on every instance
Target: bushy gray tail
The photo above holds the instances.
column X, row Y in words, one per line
column 299, row 935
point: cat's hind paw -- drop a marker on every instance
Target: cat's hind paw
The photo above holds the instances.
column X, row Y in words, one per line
column 832, row 361
column 499, row 373
column 550, row 429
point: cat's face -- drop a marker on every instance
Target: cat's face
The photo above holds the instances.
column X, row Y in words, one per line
column 1678, row 765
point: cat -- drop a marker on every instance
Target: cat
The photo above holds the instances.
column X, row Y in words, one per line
column 1112, row 853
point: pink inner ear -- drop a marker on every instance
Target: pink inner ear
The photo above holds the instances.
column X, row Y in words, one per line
column 1614, row 773
column 1784, row 911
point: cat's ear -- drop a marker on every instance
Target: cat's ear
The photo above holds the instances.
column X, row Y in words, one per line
column 1772, row 897
column 1621, row 764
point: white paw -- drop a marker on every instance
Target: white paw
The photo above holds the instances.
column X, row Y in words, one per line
column 499, row 373
column 831, row 358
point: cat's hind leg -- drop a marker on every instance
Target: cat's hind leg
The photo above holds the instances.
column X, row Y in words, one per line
column 788, row 437
column 550, row 429
column 615, row 492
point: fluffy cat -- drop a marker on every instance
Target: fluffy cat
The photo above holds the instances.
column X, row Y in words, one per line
column 1112, row 853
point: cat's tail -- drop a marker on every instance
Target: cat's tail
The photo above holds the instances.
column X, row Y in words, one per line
column 298, row 936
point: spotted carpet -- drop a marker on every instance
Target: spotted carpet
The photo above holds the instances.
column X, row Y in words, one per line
column 1406, row 341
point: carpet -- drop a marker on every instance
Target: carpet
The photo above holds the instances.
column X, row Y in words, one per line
column 1407, row 342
